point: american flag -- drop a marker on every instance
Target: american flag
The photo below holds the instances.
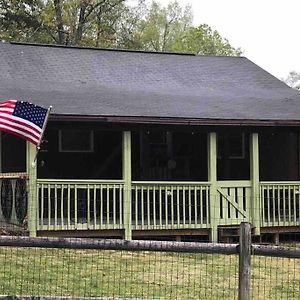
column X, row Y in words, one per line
column 23, row 119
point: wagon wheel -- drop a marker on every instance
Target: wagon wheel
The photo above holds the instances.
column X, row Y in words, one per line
column 6, row 199
column 21, row 200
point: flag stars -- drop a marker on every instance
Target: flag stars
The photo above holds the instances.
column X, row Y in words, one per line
column 30, row 112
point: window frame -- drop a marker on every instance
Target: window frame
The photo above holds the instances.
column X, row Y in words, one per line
column 243, row 149
column 91, row 141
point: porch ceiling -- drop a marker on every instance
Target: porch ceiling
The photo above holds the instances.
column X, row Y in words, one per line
column 141, row 87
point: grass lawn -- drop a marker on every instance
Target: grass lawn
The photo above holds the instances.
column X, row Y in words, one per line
column 145, row 275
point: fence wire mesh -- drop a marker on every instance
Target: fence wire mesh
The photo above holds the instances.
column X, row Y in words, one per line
column 185, row 212
column 123, row 274
column 117, row 274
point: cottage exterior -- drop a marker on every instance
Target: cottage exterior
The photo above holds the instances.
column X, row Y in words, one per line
column 149, row 144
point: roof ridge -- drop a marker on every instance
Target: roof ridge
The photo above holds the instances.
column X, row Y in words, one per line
column 116, row 49
column 97, row 48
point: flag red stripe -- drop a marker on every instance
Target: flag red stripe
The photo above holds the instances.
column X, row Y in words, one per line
column 20, row 128
column 28, row 138
column 17, row 122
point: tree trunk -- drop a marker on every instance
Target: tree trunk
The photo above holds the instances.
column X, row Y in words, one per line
column 59, row 21
column 81, row 21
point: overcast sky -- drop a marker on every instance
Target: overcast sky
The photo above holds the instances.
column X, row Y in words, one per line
column 268, row 31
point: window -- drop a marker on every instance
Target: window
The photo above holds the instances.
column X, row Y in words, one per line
column 235, row 145
column 76, row 140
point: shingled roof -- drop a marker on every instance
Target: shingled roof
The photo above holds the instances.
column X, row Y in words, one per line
column 135, row 86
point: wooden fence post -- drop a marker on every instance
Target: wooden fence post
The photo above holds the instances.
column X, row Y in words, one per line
column 245, row 261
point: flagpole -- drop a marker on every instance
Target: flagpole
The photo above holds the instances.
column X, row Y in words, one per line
column 38, row 146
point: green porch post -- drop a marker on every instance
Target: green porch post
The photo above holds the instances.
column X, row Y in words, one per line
column 127, row 183
column 212, row 178
column 254, row 176
column 1, row 216
column 32, row 189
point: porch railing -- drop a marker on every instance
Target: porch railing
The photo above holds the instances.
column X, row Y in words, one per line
column 280, row 203
column 170, row 205
column 99, row 204
column 80, row 204
column 13, row 200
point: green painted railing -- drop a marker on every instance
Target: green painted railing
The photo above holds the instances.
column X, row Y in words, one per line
column 99, row 204
column 234, row 199
column 170, row 205
column 80, row 204
column 280, row 203
column 13, row 200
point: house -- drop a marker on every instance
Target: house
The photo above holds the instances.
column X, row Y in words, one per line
column 143, row 144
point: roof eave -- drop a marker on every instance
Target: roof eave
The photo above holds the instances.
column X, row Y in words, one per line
column 174, row 121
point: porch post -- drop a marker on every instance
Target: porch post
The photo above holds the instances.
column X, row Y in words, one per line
column 212, row 178
column 1, row 216
column 32, row 189
column 254, row 176
column 0, row 152
column 127, row 183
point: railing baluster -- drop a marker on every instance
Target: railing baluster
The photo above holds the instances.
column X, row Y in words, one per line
column 121, row 205
column 269, row 203
column 154, row 206
column 160, row 208
column 49, row 207
column 75, row 205
column 178, row 206
column 289, row 204
column 142, row 206
column 62, row 207
column 114, row 206
column 207, row 205
column 69, row 206
column 196, row 206
column 201, row 205
column 190, row 207
column 136, row 205
column 295, row 205
column 107, row 205
column 166, row 206
column 55, row 207
column 278, row 203
column 183, row 205
column 148, row 206
column 101, row 206
column 88, row 206
column 172, row 207
column 95, row 206
column 284, row 204
column 262, row 204
column 274, row 204
column 42, row 206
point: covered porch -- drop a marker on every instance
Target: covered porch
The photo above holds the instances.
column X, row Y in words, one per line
column 164, row 181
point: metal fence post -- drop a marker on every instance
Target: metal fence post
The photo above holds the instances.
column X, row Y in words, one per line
column 245, row 261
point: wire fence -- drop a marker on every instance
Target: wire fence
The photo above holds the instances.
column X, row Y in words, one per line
column 118, row 269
